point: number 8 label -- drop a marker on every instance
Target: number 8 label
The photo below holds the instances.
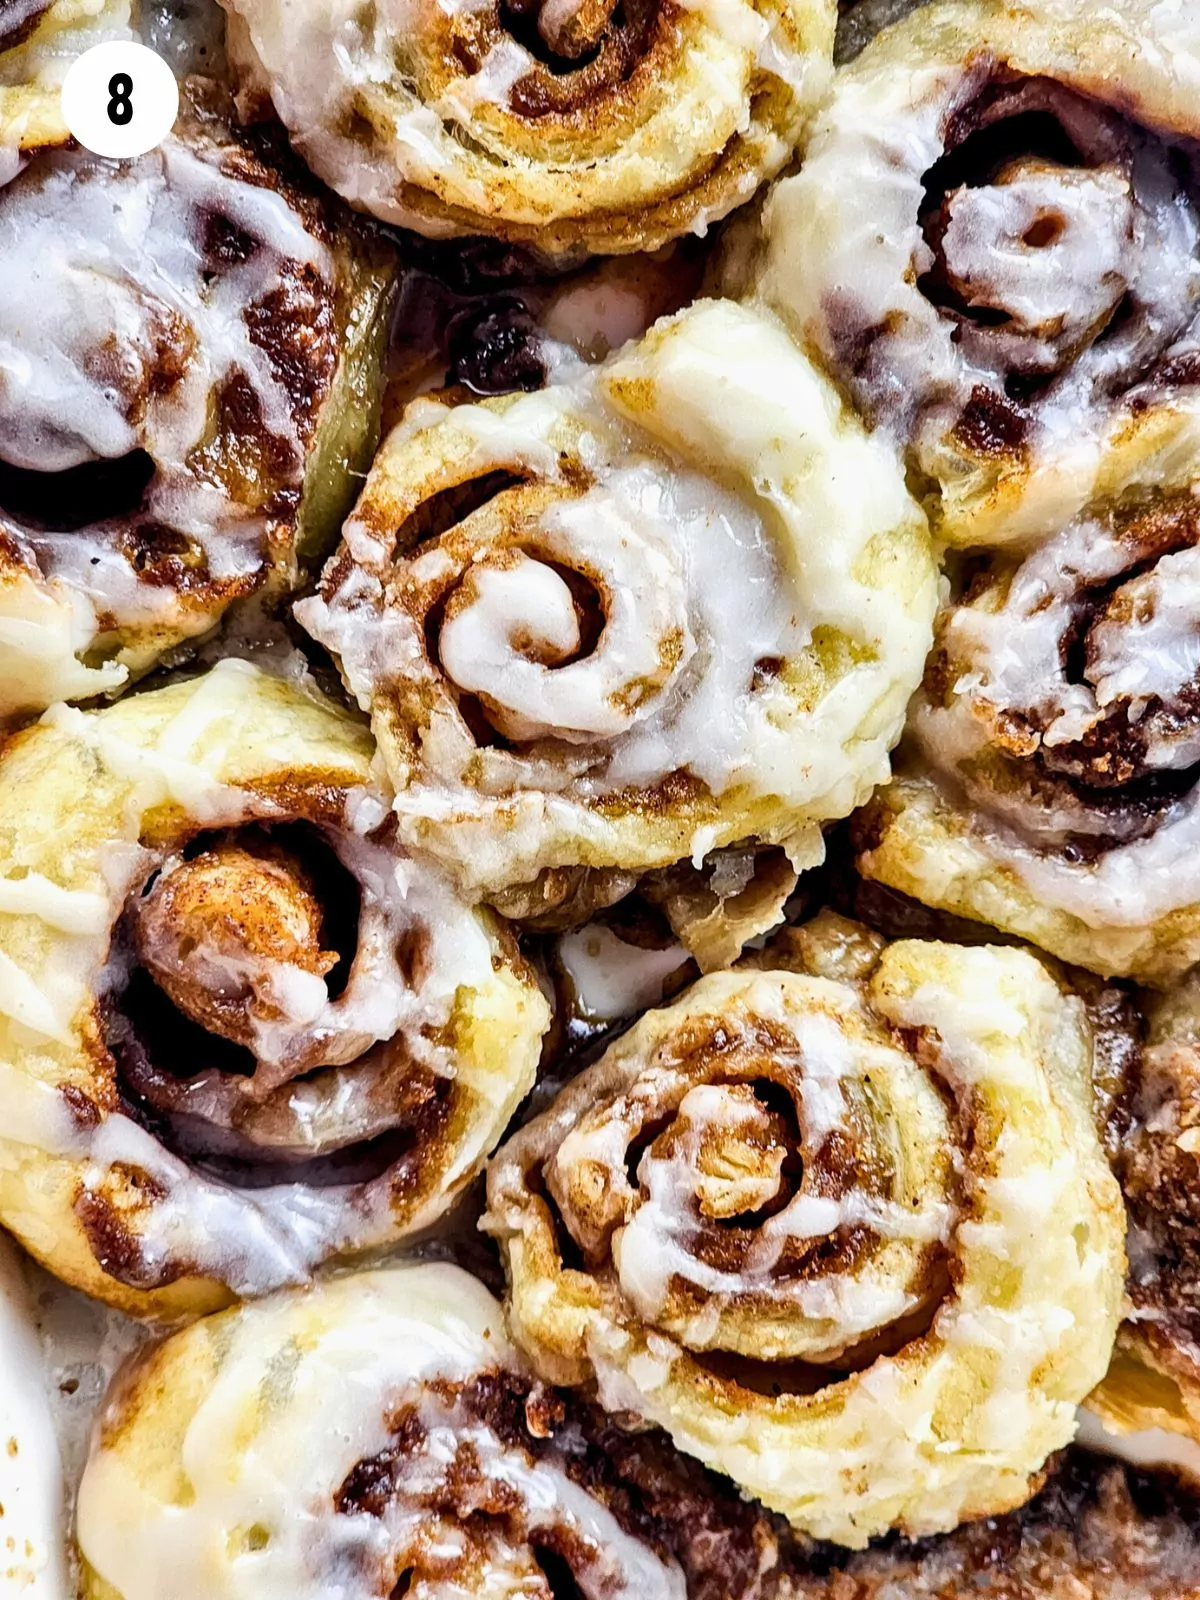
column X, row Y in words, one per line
column 120, row 99
column 120, row 106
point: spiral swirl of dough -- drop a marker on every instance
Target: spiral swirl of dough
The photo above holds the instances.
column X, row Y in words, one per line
column 995, row 243
column 572, row 126
column 1048, row 786
column 851, row 1240
column 241, row 1031
column 375, row 1435
column 625, row 619
column 189, row 349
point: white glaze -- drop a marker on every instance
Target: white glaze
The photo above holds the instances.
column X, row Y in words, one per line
column 610, row 978
column 847, row 256
column 296, row 1024
column 1005, row 649
column 256, row 1239
column 511, row 626
column 719, row 1154
column 114, row 248
column 965, row 1411
column 653, row 1249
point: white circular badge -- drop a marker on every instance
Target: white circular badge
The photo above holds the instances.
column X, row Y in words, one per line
column 120, row 99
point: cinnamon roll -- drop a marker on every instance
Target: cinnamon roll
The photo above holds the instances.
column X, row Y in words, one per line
column 241, row 1031
column 1048, row 787
column 995, row 244
column 851, row 1239
column 1154, row 1379
column 574, row 126
column 39, row 39
column 628, row 618
column 190, row 348
column 376, row 1435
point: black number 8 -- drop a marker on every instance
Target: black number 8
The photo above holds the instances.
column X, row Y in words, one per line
column 120, row 106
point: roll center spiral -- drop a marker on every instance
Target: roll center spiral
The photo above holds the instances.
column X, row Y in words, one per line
column 731, row 1147
column 572, row 29
column 572, row 625
column 1053, row 229
column 1041, row 249
column 1085, row 660
column 274, row 997
column 234, row 936
column 744, row 1169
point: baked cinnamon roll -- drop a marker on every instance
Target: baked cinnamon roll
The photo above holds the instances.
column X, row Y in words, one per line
column 376, row 1435
column 847, row 1233
column 627, row 619
column 574, row 126
column 1048, row 787
column 995, row 244
column 241, row 1031
column 190, row 348
column 39, row 39
column 1154, row 1380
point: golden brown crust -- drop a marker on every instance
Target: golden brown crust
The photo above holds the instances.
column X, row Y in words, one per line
column 745, row 1223
column 716, row 909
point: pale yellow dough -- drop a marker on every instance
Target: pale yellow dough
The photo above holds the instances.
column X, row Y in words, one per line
column 914, row 839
